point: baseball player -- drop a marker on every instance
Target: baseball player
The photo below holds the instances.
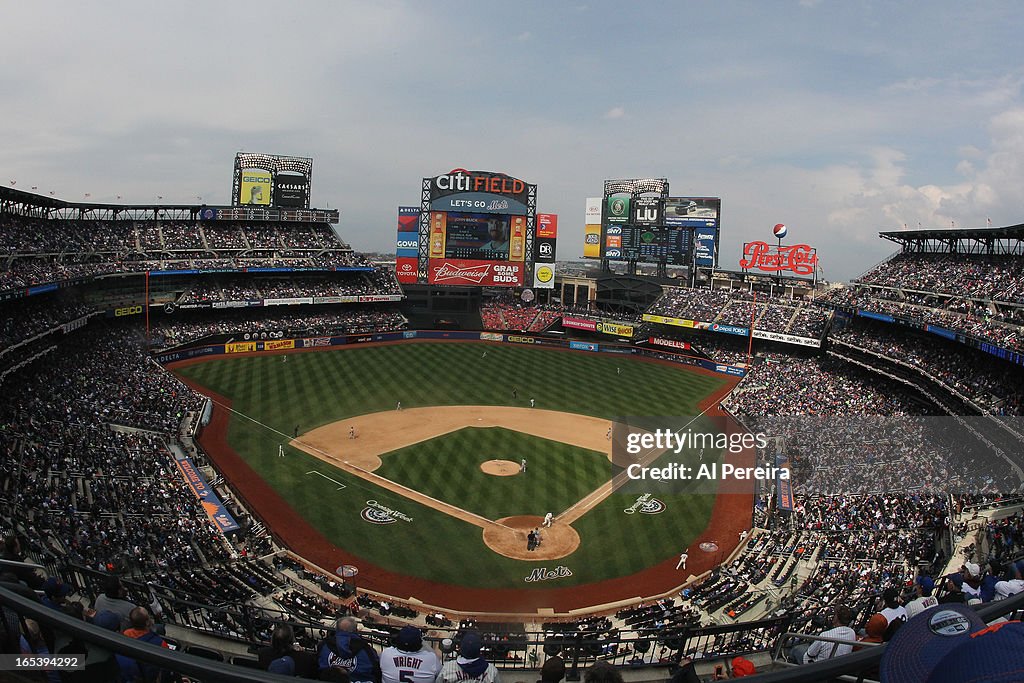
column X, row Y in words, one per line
column 522, row 465
column 547, row 519
column 399, row 406
column 532, row 402
column 682, row 560
column 351, row 432
column 280, row 450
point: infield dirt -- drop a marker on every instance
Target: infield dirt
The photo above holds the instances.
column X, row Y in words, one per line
column 376, row 434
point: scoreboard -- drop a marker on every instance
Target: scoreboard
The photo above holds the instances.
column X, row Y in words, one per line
column 652, row 243
column 269, row 215
column 636, row 220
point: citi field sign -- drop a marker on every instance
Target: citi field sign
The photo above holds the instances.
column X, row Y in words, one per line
column 481, row 191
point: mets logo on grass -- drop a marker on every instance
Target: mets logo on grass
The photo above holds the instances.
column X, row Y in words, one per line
column 545, row 574
column 375, row 513
column 646, row 505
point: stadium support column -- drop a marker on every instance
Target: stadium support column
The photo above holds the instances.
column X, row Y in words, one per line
column 146, row 304
column 750, row 332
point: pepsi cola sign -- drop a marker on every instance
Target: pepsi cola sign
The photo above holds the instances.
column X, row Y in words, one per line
column 799, row 259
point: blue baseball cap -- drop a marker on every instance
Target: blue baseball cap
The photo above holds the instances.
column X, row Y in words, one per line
column 916, row 650
column 927, row 585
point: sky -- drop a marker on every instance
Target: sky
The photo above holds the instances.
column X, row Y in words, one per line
column 839, row 119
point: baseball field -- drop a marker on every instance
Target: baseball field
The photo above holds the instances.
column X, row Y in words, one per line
column 435, row 498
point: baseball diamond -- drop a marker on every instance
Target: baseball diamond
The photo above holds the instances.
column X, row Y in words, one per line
column 422, row 468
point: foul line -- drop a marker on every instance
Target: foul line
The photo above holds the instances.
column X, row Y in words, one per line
column 412, row 494
column 340, row 485
column 598, row 495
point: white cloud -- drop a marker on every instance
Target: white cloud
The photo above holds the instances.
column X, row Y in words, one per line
column 615, row 113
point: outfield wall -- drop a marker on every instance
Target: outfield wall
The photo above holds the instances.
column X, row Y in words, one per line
column 264, row 345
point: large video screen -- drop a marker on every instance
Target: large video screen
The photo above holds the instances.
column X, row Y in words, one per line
column 477, row 236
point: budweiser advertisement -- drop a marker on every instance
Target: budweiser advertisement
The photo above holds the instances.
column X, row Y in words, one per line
column 799, row 259
column 466, row 272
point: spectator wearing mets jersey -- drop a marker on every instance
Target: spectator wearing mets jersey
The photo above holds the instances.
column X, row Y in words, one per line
column 408, row 661
column 470, row 664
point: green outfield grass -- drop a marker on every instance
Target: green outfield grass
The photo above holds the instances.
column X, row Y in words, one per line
column 448, row 468
column 312, row 389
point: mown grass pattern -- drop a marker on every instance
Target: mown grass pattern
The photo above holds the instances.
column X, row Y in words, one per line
column 313, row 389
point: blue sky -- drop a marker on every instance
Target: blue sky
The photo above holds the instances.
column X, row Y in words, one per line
column 839, row 119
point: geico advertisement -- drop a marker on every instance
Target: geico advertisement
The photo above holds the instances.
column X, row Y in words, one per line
column 255, row 188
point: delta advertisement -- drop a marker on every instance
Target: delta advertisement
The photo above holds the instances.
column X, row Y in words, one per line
column 255, row 188
column 408, row 232
column 468, row 272
column 212, row 505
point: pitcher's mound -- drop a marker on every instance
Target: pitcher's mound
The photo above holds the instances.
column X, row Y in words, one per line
column 510, row 540
column 500, row 468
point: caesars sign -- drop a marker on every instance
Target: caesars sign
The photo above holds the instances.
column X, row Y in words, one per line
column 799, row 259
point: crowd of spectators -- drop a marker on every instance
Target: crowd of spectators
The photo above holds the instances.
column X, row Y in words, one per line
column 347, row 319
column 1002, row 328
column 103, row 497
column 990, row 382
column 738, row 308
column 242, row 288
column 846, row 430
column 508, row 313
column 44, row 251
column 27, row 318
column 995, row 277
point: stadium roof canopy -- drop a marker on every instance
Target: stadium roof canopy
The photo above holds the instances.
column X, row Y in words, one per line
column 1007, row 240
column 21, row 203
